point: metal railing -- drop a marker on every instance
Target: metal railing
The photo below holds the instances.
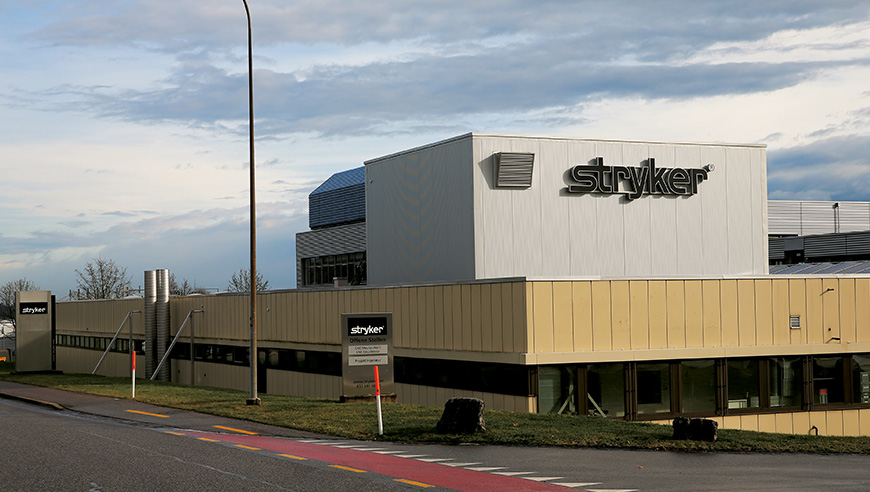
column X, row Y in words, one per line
column 189, row 318
column 127, row 319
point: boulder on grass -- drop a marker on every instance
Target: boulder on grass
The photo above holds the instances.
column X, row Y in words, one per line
column 695, row 429
column 462, row 416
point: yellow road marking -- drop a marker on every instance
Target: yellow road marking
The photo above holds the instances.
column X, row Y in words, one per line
column 151, row 414
column 418, row 484
column 207, row 439
column 247, row 447
column 236, row 430
column 174, row 433
column 294, row 457
column 347, row 468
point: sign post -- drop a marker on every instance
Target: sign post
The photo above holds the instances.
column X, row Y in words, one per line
column 378, row 396
column 367, row 342
column 134, row 374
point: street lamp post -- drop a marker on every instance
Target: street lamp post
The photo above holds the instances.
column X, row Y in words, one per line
column 254, row 399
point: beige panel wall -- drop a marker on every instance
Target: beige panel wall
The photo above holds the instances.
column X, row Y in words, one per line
column 851, row 422
column 617, row 320
column 411, row 394
column 81, row 361
column 102, row 318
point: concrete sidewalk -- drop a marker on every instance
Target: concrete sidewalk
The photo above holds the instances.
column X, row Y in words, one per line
column 132, row 410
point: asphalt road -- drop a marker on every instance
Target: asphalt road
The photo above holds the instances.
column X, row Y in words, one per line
column 106, row 444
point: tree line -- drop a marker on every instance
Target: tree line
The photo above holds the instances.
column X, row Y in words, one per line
column 103, row 278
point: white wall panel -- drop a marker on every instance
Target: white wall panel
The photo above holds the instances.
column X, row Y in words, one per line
column 582, row 218
column 739, row 210
column 690, row 229
column 638, row 226
column 663, row 220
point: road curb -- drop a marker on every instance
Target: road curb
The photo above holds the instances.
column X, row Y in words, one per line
column 34, row 401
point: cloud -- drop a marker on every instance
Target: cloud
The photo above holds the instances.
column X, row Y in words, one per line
column 835, row 168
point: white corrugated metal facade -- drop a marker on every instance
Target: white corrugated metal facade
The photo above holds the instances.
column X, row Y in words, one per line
column 435, row 213
column 804, row 218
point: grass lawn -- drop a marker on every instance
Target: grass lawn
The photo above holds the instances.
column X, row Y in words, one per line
column 411, row 423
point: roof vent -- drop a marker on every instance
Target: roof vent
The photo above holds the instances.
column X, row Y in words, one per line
column 514, row 169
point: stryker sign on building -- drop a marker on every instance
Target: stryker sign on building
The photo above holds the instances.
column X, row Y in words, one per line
column 482, row 206
column 641, row 180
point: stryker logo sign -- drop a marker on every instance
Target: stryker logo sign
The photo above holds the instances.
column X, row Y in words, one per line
column 643, row 180
column 366, row 328
column 33, row 308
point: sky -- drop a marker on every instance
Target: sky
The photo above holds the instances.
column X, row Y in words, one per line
column 124, row 124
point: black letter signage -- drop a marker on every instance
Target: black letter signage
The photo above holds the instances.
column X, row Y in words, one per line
column 642, row 180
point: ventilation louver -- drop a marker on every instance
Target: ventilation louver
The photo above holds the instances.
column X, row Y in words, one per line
column 514, row 169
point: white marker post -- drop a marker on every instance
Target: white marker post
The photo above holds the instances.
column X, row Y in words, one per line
column 134, row 374
column 378, row 398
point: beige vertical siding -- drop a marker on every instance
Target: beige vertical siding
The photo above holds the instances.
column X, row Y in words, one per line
column 643, row 316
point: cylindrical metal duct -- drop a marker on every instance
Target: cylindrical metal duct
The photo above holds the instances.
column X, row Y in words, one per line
column 149, row 322
column 161, row 315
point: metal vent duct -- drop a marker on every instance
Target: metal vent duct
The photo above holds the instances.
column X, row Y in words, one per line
column 161, row 315
column 148, row 321
column 514, row 169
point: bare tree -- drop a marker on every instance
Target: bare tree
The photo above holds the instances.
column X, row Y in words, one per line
column 7, row 298
column 102, row 279
column 241, row 282
column 184, row 288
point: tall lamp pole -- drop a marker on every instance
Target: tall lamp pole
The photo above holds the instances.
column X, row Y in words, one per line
column 254, row 399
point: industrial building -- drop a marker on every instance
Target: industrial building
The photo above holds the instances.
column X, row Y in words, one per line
column 627, row 279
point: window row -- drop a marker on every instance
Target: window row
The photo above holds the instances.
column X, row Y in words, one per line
column 322, row 270
column 121, row 345
column 706, row 386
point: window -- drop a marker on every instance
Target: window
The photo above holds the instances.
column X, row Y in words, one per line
column 743, row 384
column 828, row 380
column 322, row 270
column 653, row 388
column 785, row 376
column 606, row 390
column 698, row 381
column 861, row 378
column 556, row 390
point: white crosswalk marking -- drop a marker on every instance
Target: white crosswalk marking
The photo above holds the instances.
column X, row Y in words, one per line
column 579, row 484
column 513, row 474
column 486, row 468
column 543, row 479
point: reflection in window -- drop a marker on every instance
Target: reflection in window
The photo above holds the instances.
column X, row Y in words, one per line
column 653, row 388
column 786, row 379
column 861, row 378
column 828, row 380
column 743, row 383
column 698, row 379
column 606, row 390
column 556, row 386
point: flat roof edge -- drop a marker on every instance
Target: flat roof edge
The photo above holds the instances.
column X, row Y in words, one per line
column 574, row 139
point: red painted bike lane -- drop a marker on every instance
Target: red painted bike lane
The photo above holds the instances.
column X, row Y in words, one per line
column 393, row 466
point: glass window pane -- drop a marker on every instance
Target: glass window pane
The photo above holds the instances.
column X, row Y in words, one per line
column 786, row 379
column 828, row 380
column 653, row 388
column 606, row 385
column 556, row 390
column 861, row 378
column 698, row 385
column 743, row 383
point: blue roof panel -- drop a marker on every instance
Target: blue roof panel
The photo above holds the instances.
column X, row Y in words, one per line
column 341, row 180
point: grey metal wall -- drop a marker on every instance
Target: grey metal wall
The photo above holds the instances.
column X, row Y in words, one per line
column 337, row 240
column 419, row 214
column 426, row 222
column 803, row 218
